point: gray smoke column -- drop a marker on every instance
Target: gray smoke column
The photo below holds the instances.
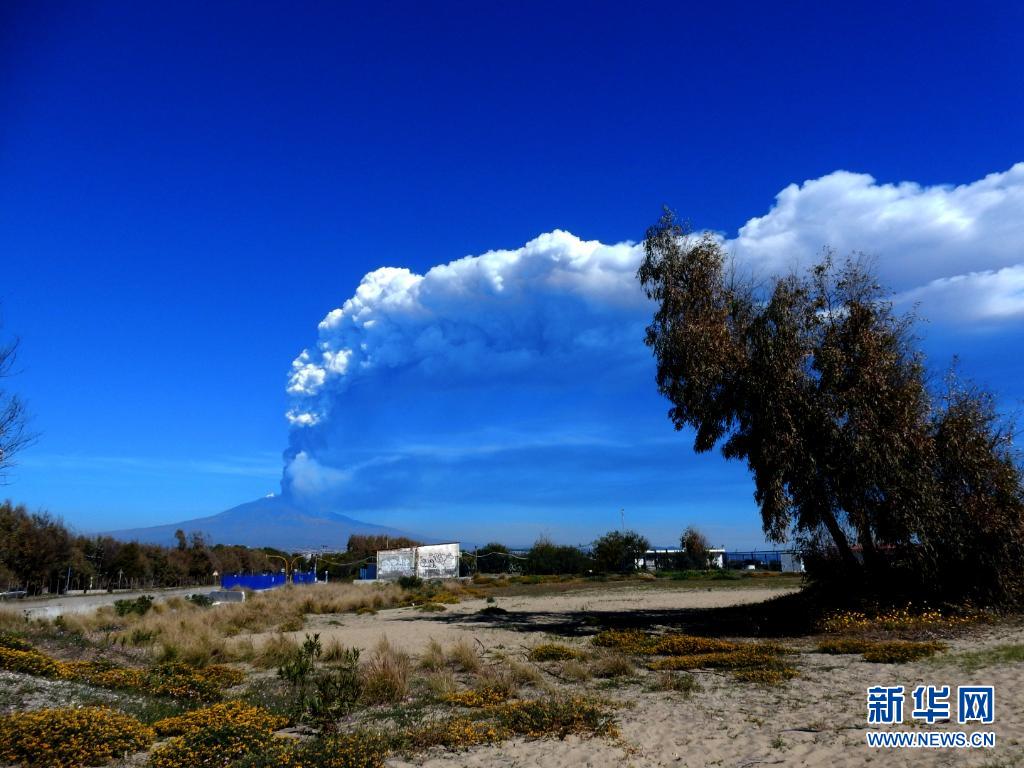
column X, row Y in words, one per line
column 459, row 359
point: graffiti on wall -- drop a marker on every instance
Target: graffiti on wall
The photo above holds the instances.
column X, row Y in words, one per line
column 433, row 561
column 438, row 561
column 395, row 563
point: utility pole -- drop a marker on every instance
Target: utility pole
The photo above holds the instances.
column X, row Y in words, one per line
column 622, row 519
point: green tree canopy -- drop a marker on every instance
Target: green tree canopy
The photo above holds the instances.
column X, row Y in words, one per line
column 816, row 384
column 618, row 551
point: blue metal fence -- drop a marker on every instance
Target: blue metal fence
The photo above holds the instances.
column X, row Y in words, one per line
column 252, row 581
column 264, row 580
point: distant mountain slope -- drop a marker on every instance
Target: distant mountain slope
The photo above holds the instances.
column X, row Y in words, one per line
column 269, row 522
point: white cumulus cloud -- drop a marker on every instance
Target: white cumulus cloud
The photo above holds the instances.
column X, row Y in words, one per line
column 917, row 233
column 990, row 296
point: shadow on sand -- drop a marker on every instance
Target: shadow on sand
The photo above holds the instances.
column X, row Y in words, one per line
column 792, row 615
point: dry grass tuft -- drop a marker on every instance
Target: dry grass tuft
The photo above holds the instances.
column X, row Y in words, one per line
column 440, row 684
column 610, row 664
column 464, row 656
column 679, row 682
column 386, row 675
column 525, row 674
column 575, row 670
column 433, row 658
column 275, row 651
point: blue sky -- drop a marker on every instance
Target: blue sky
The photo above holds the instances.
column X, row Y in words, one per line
column 188, row 189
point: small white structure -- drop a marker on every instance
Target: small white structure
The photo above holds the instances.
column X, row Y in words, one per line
column 431, row 561
column 655, row 559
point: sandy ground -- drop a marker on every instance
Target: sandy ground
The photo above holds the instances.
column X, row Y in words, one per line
column 411, row 629
column 817, row 720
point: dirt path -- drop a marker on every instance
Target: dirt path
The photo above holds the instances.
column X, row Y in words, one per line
column 51, row 607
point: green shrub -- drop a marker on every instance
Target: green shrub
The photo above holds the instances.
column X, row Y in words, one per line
column 321, row 695
column 139, row 606
column 618, row 551
column 546, row 558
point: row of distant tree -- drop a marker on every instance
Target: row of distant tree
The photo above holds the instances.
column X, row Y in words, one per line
column 615, row 552
column 39, row 554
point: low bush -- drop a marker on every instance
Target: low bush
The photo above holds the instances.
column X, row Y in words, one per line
column 184, row 682
column 765, row 676
column 477, row 697
column 362, row 749
column 67, row 738
column 844, row 645
column 217, row 745
column 321, row 695
column 177, row 680
column 540, row 718
column 454, row 733
column 627, row 640
column 233, row 712
column 880, row 651
column 14, row 642
column 554, row 652
column 29, row 662
column 907, row 618
column 901, row 651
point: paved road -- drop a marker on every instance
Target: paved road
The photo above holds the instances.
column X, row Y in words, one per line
column 51, row 607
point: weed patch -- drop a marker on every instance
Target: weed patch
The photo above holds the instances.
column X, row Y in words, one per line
column 560, row 717
column 67, row 738
column 554, row 652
